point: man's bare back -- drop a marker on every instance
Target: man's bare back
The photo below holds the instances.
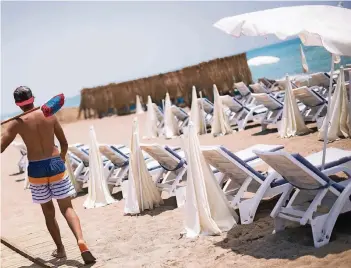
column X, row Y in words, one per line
column 37, row 132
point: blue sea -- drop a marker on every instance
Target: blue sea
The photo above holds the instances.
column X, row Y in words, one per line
column 318, row 60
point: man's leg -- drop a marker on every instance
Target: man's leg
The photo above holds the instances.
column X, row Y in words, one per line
column 54, row 230
column 73, row 221
column 71, row 217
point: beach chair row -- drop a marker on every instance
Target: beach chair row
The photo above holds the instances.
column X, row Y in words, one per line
column 307, row 194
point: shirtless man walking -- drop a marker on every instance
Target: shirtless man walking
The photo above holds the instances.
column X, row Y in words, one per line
column 46, row 170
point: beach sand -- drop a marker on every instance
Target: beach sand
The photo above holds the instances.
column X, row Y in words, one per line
column 153, row 239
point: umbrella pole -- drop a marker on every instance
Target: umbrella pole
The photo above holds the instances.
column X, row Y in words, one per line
column 350, row 97
column 328, row 111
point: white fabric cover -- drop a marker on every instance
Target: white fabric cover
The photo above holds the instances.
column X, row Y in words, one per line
column 71, row 173
column 220, row 124
column 151, row 120
column 206, row 209
column 142, row 192
column 292, row 121
column 98, row 193
column 316, row 25
column 171, row 128
column 339, row 125
column 138, row 108
column 196, row 114
column 303, row 60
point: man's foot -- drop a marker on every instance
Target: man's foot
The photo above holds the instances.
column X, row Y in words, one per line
column 88, row 258
column 59, row 253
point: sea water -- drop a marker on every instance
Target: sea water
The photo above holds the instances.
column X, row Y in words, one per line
column 318, row 60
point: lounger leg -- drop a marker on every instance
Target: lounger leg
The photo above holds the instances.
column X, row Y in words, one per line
column 323, row 226
column 313, row 206
column 279, row 225
column 282, row 201
column 248, row 208
column 235, row 201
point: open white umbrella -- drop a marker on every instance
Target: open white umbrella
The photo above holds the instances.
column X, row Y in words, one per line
column 339, row 126
column 196, row 115
column 142, row 191
column 98, row 193
column 151, row 120
column 303, row 60
column 220, row 124
column 139, row 109
column 292, row 122
column 316, row 25
column 171, row 126
column 262, row 60
column 206, row 209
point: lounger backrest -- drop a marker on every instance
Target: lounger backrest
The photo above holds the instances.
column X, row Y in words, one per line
column 223, row 160
column 308, row 97
column 179, row 113
column 268, row 101
column 165, row 156
column 258, row 88
column 118, row 158
column 159, row 113
column 234, row 105
column 319, row 79
column 207, row 105
column 242, row 88
column 80, row 154
column 295, row 169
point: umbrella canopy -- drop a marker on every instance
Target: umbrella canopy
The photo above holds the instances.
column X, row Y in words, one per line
column 98, row 193
column 206, row 209
column 220, row 124
column 196, row 115
column 151, row 123
column 339, row 126
column 142, row 191
column 317, row 25
column 262, row 60
column 292, row 121
column 139, row 108
column 171, row 126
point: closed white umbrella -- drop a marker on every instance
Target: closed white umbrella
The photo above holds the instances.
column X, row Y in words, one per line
column 317, row 25
column 171, row 126
column 206, row 209
column 151, row 120
column 142, row 191
column 220, row 124
column 292, row 122
column 98, row 193
column 303, row 60
column 139, row 109
column 196, row 115
column 339, row 126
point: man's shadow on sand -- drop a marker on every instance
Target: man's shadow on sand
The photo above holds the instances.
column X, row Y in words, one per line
column 295, row 241
column 56, row 263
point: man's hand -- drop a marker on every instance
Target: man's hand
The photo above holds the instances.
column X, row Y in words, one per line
column 63, row 156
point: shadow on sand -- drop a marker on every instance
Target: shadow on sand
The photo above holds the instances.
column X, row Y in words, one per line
column 257, row 240
column 57, row 263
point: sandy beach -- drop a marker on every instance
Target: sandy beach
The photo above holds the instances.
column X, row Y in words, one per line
column 153, row 239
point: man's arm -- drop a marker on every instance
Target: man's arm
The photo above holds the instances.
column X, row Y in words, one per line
column 8, row 135
column 60, row 135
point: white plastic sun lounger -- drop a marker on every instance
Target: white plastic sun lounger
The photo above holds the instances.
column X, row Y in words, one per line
column 23, row 162
column 274, row 109
column 245, row 187
column 316, row 105
column 305, row 177
column 207, row 107
column 118, row 158
column 181, row 115
column 245, row 93
column 173, row 165
column 242, row 114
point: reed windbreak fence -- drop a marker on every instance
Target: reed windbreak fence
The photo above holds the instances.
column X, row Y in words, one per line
column 117, row 98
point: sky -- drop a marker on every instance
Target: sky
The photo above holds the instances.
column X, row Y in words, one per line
column 55, row 47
